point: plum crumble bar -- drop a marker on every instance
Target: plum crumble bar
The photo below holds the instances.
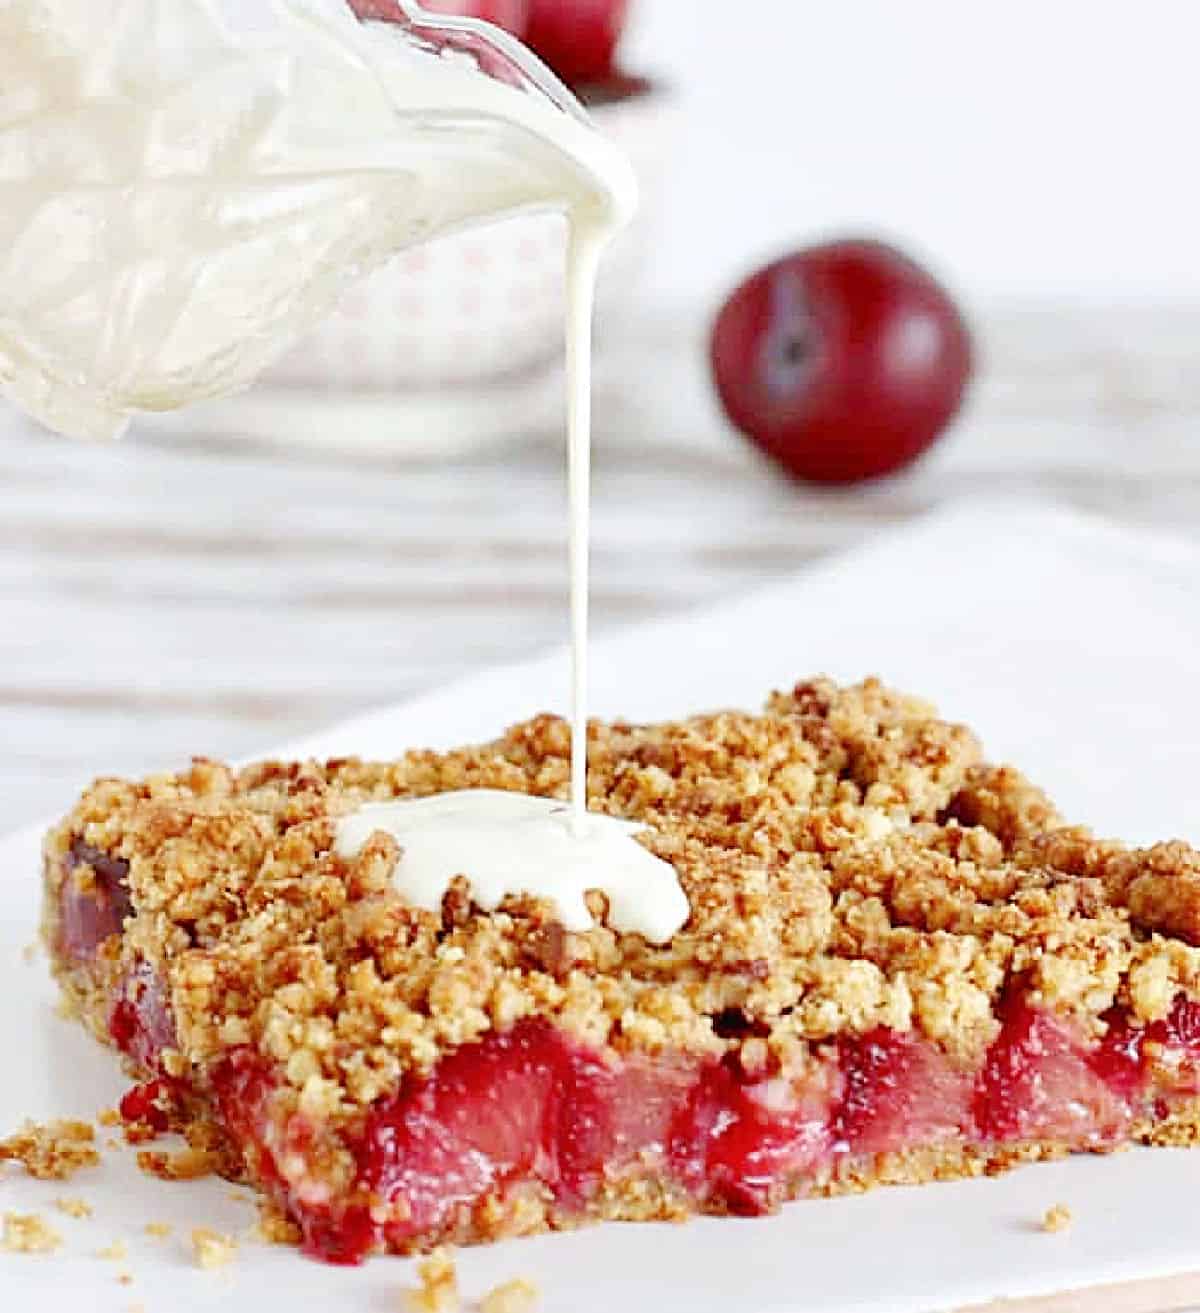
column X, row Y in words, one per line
column 900, row 966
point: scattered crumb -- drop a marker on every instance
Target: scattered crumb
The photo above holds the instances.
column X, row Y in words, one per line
column 274, row 1226
column 109, row 1117
column 54, row 1151
column 158, row 1230
column 112, row 1143
column 241, row 1197
column 186, row 1165
column 1057, row 1218
column 74, row 1207
column 212, row 1249
column 27, row 1233
column 519, row 1296
column 439, row 1285
column 29, row 952
column 117, row 1251
column 125, row 1278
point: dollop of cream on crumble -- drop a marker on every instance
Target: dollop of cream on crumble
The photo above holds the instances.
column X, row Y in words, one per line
column 507, row 844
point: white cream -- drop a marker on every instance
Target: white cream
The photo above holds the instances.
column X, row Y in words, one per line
column 511, row 843
column 185, row 185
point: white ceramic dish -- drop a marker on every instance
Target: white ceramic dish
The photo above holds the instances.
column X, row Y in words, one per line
column 455, row 345
column 894, row 1251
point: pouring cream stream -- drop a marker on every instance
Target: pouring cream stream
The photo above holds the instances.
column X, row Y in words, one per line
column 188, row 184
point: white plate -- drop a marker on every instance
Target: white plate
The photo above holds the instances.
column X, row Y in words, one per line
column 1006, row 615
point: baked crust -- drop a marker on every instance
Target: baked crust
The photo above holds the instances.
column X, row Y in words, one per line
column 851, row 862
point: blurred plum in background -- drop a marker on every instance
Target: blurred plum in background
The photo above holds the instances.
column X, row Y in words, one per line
column 842, row 362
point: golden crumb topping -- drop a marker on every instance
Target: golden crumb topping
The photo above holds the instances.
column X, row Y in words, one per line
column 849, row 859
column 274, row 1227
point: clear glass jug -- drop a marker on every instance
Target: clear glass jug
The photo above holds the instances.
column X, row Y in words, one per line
column 188, row 184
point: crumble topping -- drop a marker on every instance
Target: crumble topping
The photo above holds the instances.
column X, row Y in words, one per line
column 849, row 859
column 274, row 1226
column 1057, row 1218
column 212, row 1249
column 27, row 1233
column 438, row 1292
column 53, row 1151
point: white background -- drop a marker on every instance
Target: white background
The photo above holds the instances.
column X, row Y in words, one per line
column 1030, row 149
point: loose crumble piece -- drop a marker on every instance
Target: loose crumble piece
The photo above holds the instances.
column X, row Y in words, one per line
column 158, row 1230
column 438, row 1292
column 517, row 1296
column 901, row 966
column 53, row 1151
column 27, row 1233
column 184, row 1165
column 212, row 1249
column 117, row 1252
column 78, row 1208
column 1057, row 1218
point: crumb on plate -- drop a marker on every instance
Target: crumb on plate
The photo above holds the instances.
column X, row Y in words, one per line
column 158, row 1230
column 52, row 1151
column 212, row 1249
column 186, row 1165
column 27, row 1233
column 117, row 1251
column 1056, row 1218
column 73, row 1207
column 517, row 1296
column 438, row 1292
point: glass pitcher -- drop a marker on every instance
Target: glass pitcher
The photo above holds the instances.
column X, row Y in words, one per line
column 189, row 184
